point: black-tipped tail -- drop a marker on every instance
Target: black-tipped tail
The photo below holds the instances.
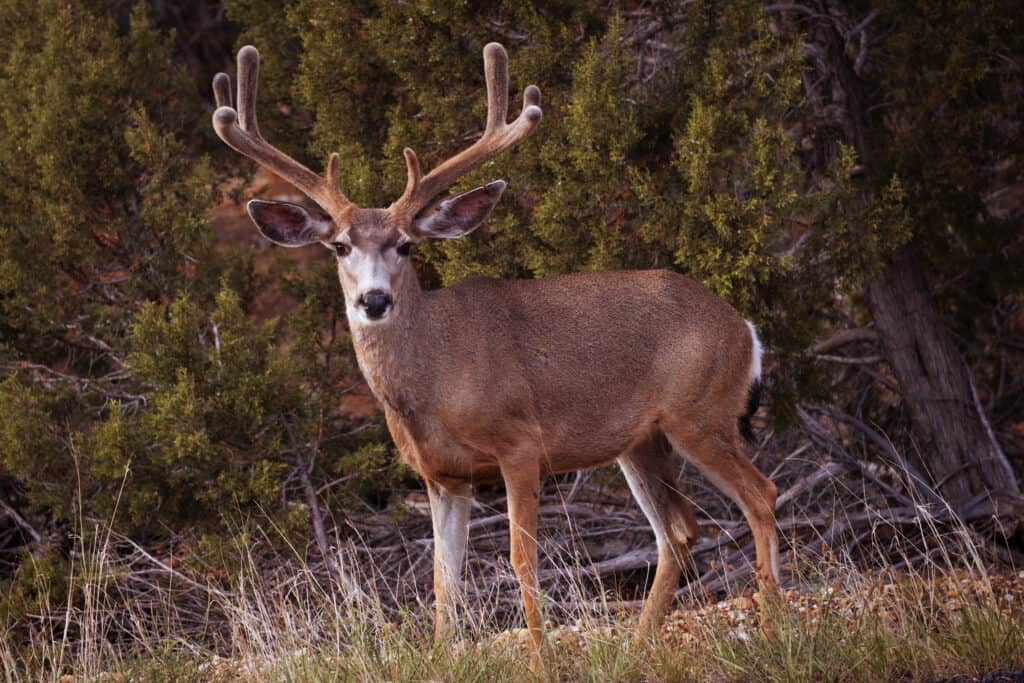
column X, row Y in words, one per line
column 753, row 401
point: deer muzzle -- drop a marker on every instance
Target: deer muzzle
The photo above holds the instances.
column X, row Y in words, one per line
column 375, row 303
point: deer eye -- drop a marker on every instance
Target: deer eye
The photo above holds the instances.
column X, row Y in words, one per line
column 342, row 249
column 404, row 249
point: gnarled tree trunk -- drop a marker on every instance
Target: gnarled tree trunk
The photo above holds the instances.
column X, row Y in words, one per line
column 955, row 448
column 955, row 444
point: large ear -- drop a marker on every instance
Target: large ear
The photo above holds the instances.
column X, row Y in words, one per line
column 289, row 225
column 460, row 215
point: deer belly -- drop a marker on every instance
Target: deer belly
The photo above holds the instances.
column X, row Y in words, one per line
column 470, row 440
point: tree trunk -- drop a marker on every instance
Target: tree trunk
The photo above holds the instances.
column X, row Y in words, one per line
column 956, row 448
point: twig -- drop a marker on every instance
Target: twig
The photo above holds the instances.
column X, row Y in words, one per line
column 844, row 338
column 21, row 521
column 170, row 570
column 317, row 517
column 1009, row 479
column 827, row 471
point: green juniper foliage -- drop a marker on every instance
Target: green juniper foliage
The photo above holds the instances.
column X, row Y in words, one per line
column 104, row 210
column 136, row 386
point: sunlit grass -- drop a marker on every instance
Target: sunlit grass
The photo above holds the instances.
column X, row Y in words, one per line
column 840, row 623
column 894, row 631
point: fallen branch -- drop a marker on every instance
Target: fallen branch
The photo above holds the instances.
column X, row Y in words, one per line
column 206, row 588
column 845, row 338
column 21, row 521
column 827, row 471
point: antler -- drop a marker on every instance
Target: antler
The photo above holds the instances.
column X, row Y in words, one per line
column 498, row 136
column 240, row 131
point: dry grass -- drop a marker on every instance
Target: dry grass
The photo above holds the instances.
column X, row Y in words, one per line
column 925, row 623
column 880, row 587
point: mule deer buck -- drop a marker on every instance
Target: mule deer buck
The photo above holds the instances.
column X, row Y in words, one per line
column 521, row 379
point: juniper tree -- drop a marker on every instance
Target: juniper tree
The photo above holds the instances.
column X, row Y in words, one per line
column 137, row 388
column 103, row 209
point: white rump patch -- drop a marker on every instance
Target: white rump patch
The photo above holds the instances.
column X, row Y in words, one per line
column 755, row 367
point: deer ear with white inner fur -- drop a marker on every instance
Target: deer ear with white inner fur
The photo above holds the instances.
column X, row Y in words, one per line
column 460, row 215
column 289, row 225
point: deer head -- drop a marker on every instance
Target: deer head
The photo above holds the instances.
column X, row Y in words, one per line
column 373, row 245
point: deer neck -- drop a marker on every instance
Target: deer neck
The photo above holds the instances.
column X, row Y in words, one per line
column 388, row 353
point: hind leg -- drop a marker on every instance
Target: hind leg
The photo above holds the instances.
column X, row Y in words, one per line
column 717, row 453
column 651, row 470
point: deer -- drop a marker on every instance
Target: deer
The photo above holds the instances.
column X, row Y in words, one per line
column 516, row 380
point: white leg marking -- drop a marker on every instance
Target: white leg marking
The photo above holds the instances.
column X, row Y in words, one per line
column 643, row 498
column 775, row 559
column 449, row 513
column 755, row 367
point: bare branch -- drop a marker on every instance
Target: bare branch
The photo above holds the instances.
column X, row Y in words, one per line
column 21, row 521
column 844, row 338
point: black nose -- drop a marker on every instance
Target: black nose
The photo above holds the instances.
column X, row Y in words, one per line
column 376, row 303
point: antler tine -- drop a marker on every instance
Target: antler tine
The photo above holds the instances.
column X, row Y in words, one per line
column 496, row 77
column 498, row 136
column 248, row 77
column 240, row 131
column 222, row 90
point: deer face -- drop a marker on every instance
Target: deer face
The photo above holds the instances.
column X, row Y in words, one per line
column 373, row 259
column 373, row 246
